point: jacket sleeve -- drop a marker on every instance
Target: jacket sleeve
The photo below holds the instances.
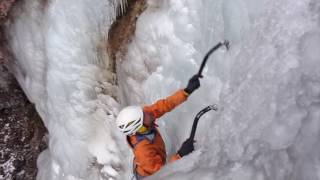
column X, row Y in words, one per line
column 163, row 106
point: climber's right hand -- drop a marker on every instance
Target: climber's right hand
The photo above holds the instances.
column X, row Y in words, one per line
column 186, row 148
column 193, row 84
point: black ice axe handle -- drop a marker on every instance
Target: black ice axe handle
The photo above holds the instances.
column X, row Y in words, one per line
column 196, row 119
column 204, row 61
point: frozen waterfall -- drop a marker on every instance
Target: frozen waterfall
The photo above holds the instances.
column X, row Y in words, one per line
column 63, row 67
column 267, row 86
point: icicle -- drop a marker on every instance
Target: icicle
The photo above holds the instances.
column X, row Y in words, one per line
column 122, row 9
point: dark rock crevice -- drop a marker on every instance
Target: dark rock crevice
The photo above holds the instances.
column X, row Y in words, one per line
column 123, row 29
column 22, row 132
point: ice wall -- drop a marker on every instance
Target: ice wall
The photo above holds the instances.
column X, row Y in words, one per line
column 61, row 63
column 267, row 85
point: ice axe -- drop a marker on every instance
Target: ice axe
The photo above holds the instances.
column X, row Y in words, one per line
column 211, row 107
column 196, row 119
column 213, row 49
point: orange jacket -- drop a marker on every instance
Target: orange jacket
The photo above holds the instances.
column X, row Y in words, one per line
column 150, row 156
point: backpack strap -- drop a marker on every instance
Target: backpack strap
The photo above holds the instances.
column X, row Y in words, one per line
column 140, row 137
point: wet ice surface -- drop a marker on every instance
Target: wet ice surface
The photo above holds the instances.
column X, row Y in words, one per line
column 267, row 86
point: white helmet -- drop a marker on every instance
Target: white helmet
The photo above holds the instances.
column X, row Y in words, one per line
column 130, row 119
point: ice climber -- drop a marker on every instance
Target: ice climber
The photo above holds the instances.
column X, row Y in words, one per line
column 138, row 124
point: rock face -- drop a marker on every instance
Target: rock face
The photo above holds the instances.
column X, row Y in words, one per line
column 5, row 6
column 123, row 29
column 22, row 132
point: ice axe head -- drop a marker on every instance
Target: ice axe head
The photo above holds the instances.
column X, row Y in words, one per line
column 227, row 44
column 213, row 49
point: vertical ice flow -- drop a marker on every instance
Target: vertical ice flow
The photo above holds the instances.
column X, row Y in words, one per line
column 62, row 65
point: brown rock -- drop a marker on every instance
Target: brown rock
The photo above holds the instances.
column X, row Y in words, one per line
column 22, row 131
column 123, row 29
column 5, row 6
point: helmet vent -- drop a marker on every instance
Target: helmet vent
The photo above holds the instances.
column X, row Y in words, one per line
column 137, row 122
column 135, row 128
column 126, row 131
column 129, row 124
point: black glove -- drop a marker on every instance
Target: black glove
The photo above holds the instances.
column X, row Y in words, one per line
column 193, row 84
column 186, row 148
